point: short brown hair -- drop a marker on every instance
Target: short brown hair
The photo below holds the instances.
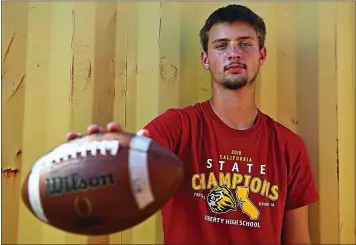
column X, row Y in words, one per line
column 230, row 14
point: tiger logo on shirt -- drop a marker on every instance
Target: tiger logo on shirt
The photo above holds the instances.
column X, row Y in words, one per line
column 220, row 200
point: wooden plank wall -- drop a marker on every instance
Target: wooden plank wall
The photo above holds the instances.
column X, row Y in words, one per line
column 67, row 65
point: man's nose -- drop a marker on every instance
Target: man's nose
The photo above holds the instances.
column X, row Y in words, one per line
column 234, row 52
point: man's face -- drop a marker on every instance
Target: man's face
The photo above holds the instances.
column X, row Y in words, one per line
column 233, row 56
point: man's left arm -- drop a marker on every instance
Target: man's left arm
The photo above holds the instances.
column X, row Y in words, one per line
column 302, row 192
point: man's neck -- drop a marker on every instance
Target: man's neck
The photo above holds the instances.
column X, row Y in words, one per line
column 237, row 109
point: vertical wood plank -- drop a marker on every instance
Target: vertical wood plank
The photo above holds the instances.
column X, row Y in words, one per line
column 189, row 52
column 14, row 42
column 267, row 83
column 287, row 65
column 326, row 225
column 169, row 48
column 204, row 81
column 149, row 15
column 346, row 119
column 34, row 128
column 82, row 66
column 104, row 63
column 307, row 88
column 131, row 71
column 121, row 48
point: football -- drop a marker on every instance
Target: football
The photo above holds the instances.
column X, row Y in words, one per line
column 101, row 183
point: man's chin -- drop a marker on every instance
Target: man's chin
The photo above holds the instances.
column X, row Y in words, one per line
column 234, row 84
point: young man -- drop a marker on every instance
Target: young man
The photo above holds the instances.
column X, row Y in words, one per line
column 248, row 179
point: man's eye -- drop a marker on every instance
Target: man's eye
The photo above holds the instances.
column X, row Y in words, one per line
column 221, row 46
column 245, row 44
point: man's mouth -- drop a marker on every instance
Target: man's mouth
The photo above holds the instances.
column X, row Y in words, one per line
column 235, row 68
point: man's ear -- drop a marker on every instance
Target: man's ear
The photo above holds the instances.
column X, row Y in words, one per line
column 204, row 60
column 263, row 55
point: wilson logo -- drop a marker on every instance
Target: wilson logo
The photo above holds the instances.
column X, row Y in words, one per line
column 75, row 182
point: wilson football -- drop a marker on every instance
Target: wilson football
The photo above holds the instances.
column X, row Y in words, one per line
column 101, row 184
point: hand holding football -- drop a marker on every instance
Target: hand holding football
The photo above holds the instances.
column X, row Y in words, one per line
column 102, row 183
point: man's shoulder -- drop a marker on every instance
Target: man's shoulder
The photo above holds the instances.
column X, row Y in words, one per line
column 169, row 127
column 185, row 111
column 176, row 117
column 290, row 139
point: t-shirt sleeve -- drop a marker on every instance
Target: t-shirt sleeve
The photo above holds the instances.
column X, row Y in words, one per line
column 302, row 189
column 166, row 129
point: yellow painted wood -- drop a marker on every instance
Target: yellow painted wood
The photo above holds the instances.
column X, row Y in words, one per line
column 35, row 109
column 326, row 225
column 14, row 41
column 94, row 62
column 346, row 93
column 127, row 43
column 203, row 83
column 286, row 41
column 267, row 79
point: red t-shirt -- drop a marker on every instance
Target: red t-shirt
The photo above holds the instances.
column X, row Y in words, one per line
column 238, row 183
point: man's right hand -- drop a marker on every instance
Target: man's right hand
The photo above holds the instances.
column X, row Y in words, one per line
column 110, row 127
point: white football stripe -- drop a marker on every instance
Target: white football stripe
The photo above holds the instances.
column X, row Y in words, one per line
column 138, row 170
column 33, row 186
